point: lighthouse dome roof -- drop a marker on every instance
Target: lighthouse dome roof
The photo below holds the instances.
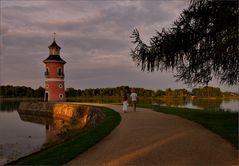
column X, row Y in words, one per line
column 54, row 58
column 54, row 45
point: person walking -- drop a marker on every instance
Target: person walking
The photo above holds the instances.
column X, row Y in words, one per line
column 125, row 104
column 133, row 99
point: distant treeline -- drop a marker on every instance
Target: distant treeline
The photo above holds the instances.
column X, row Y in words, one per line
column 118, row 91
column 21, row 91
column 207, row 91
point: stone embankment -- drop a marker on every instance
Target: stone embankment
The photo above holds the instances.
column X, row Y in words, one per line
column 82, row 115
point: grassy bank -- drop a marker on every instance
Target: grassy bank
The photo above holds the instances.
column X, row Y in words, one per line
column 224, row 124
column 68, row 150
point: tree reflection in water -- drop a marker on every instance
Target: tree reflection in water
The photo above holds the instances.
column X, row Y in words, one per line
column 208, row 104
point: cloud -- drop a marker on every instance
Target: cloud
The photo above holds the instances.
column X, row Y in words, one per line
column 94, row 37
column 3, row 29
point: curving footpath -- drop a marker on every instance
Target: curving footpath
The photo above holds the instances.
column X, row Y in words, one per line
column 146, row 137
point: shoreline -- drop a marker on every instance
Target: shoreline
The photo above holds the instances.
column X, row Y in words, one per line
column 76, row 138
column 118, row 97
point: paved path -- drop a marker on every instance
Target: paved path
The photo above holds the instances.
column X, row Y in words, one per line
column 150, row 138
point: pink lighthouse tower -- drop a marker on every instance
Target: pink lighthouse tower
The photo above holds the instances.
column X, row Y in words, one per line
column 54, row 74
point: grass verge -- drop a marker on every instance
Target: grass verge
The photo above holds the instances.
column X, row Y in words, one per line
column 224, row 124
column 68, row 150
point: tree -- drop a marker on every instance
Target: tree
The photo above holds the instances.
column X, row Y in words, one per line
column 201, row 44
column 207, row 91
column 71, row 92
column 168, row 92
column 39, row 92
column 159, row 93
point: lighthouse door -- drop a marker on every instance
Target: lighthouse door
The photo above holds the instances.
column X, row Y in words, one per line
column 46, row 96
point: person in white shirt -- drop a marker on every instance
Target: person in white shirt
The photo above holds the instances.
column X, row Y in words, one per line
column 133, row 99
column 125, row 104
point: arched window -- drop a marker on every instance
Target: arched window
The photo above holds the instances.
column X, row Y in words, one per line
column 47, row 72
column 59, row 71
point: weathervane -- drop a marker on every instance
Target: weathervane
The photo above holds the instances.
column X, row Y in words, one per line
column 54, row 36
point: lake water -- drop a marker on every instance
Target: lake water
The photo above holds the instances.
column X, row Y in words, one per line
column 18, row 138
column 231, row 105
column 21, row 135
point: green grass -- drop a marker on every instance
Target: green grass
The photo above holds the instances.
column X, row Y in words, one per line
column 142, row 105
column 68, row 150
column 224, row 124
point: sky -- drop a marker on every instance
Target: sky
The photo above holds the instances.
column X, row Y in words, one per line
column 94, row 37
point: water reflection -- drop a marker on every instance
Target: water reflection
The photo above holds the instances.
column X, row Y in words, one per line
column 21, row 134
column 173, row 102
column 18, row 138
column 54, row 127
column 230, row 105
column 9, row 105
column 208, row 104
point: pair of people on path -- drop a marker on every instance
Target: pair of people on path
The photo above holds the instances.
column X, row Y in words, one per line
column 133, row 96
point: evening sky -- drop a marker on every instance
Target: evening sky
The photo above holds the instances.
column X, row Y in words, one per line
column 94, row 37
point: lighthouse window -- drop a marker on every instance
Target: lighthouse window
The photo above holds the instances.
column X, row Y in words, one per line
column 46, row 96
column 60, row 86
column 61, row 96
column 59, row 71
column 47, row 71
column 47, row 86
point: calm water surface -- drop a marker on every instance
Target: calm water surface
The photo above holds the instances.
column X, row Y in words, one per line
column 18, row 138
column 21, row 135
column 231, row 105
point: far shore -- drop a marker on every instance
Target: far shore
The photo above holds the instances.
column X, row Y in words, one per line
column 20, row 98
column 156, row 98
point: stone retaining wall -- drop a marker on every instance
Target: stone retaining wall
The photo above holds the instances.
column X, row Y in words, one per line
column 83, row 115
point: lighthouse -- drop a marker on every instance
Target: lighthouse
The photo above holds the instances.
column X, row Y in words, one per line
column 54, row 74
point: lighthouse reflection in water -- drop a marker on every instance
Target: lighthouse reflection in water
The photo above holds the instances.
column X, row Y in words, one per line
column 55, row 127
column 22, row 134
